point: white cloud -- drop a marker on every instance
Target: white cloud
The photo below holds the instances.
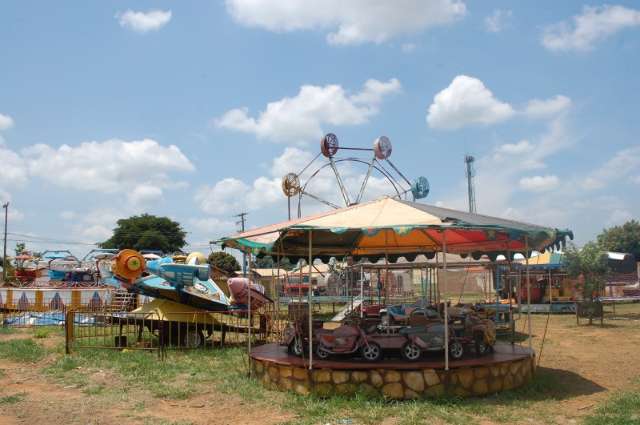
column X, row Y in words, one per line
column 466, row 101
column 537, row 108
column 97, row 225
column 138, row 168
column 301, row 118
column 593, row 25
column 292, row 160
column 635, row 179
column 6, row 122
column 624, row 163
column 539, row 183
column 145, row 194
column 143, row 22
column 498, row 20
column 349, row 22
column 521, row 147
column 14, row 171
column 225, row 196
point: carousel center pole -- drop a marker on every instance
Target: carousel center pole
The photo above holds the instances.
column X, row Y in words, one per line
column 444, row 286
column 310, row 299
column 526, row 259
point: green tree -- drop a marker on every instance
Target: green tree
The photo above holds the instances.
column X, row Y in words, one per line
column 268, row 262
column 20, row 246
column 224, row 261
column 147, row 232
column 265, row 262
column 590, row 266
column 625, row 238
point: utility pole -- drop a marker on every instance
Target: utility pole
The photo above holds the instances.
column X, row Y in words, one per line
column 470, row 173
column 242, row 222
column 4, row 255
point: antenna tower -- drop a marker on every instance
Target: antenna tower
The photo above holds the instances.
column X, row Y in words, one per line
column 469, row 160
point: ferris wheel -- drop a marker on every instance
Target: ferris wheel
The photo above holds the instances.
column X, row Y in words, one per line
column 296, row 188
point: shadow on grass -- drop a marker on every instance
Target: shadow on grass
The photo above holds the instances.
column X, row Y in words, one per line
column 552, row 384
column 515, row 337
column 621, row 316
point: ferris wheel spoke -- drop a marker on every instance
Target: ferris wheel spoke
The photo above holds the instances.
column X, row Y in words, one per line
column 319, row 199
column 366, row 179
column 343, row 189
column 399, row 172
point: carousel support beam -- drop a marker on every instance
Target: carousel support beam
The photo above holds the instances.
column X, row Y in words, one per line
column 446, row 313
column 526, row 259
column 310, row 299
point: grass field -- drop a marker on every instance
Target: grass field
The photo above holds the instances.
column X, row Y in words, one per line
column 587, row 374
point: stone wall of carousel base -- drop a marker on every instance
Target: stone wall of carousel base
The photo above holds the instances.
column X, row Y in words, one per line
column 397, row 384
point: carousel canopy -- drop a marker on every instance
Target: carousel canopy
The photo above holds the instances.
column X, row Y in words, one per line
column 393, row 228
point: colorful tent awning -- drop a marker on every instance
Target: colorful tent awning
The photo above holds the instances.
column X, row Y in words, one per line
column 396, row 228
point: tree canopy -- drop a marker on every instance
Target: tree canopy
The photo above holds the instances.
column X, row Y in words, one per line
column 147, row 232
column 625, row 238
column 20, row 246
column 268, row 262
column 590, row 266
column 224, row 261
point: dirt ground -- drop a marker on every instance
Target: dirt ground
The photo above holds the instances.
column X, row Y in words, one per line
column 591, row 362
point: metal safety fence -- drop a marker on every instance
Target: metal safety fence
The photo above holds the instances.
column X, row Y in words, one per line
column 178, row 330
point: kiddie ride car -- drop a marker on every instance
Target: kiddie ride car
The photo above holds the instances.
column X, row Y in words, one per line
column 371, row 339
column 349, row 338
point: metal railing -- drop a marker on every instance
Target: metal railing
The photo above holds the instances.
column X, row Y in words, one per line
column 176, row 330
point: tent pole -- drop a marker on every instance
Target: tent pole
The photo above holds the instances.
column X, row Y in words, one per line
column 437, row 281
column 386, row 269
column 277, row 292
column 310, row 295
column 249, row 313
column 361, row 290
column 526, row 257
column 446, row 314
column 509, row 277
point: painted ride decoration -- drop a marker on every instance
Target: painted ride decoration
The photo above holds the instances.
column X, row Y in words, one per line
column 188, row 284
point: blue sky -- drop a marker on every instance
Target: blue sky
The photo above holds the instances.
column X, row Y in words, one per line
column 196, row 109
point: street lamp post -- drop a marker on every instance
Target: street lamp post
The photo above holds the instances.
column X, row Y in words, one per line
column 4, row 255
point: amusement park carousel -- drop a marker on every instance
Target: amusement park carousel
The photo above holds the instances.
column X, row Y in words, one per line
column 428, row 348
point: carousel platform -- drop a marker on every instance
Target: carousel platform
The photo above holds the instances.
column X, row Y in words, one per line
column 510, row 366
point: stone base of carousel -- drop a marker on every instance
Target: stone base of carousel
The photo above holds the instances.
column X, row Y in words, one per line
column 508, row 367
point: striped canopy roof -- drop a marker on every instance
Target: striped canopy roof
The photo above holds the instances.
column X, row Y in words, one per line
column 393, row 228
